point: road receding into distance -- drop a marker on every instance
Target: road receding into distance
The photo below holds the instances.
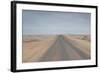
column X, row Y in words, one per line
column 64, row 49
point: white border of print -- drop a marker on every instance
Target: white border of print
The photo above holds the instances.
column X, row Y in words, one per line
column 37, row 65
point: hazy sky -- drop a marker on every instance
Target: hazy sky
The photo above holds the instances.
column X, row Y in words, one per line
column 48, row 22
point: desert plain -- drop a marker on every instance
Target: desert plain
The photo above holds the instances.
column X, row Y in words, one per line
column 45, row 48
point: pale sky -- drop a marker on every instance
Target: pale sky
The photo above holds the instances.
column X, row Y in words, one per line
column 50, row 22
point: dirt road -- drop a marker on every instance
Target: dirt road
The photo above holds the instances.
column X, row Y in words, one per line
column 62, row 50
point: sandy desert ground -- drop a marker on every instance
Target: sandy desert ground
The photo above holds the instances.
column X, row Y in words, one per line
column 55, row 48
